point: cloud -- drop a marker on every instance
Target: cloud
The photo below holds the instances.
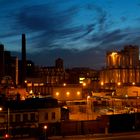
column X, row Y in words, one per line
column 93, row 58
column 101, row 15
column 79, row 31
column 57, row 26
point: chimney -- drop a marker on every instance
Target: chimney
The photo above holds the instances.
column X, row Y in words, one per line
column 23, row 69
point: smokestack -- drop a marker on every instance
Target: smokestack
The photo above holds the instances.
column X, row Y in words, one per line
column 23, row 69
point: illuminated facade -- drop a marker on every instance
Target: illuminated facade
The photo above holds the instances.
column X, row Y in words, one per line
column 122, row 68
column 67, row 93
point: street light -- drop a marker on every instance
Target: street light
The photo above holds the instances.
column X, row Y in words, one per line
column 7, row 135
column 45, row 129
column 1, row 108
column 8, row 121
column 88, row 107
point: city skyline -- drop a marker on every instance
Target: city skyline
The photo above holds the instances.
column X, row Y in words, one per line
column 80, row 32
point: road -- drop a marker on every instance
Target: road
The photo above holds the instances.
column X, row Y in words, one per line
column 125, row 136
column 119, row 136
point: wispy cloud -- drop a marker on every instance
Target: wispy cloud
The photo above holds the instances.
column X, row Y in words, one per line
column 76, row 30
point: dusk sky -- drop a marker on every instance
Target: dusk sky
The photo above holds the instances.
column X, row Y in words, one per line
column 78, row 31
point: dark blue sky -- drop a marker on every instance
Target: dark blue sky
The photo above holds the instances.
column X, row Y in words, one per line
column 78, row 31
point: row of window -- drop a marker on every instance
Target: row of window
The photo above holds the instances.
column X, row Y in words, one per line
column 46, row 116
column 23, row 117
column 30, row 117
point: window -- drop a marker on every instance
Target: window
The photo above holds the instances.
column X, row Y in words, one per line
column 25, row 117
column 46, row 116
column 32, row 116
column 17, row 118
column 53, row 115
column 11, row 118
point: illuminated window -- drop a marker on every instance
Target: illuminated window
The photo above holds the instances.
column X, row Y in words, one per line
column 81, row 79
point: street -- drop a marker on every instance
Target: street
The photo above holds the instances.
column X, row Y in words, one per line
column 125, row 136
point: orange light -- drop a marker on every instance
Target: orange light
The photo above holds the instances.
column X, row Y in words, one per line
column 102, row 83
column 68, row 93
column 64, row 84
column 119, row 83
column 84, row 84
column 6, row 136
column 113, row 54
column 78, row 92
column 88, row 97
column 133, row 83
column 45, row 127
column 57, row 93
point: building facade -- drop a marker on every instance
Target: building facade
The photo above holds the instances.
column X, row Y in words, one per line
column 122, row 68
column 31, row 117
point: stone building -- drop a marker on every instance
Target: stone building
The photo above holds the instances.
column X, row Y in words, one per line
column 122, row 68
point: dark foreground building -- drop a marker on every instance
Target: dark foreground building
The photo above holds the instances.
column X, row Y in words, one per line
column 33, row 117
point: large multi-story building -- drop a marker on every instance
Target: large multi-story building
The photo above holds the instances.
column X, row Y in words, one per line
column 122, row 68
column 31, row 117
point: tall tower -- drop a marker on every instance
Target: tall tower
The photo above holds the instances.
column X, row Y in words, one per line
column 59, row 63
column 23, row 65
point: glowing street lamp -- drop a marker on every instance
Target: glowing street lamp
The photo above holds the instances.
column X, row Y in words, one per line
column 88, row 106
column 84, row 84
column 1, row 108
column 45, row 127
column 133, row 83
column 64, row 84
column 45, row 131
column 102, row 83
column 57, row 93
column 78, row 92
column 119, row 83
column 68, row 93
